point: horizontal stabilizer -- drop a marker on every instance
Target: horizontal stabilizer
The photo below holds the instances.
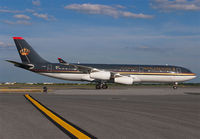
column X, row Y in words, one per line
column 21, row 65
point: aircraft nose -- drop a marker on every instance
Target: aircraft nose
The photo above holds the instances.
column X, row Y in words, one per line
column 194, row 76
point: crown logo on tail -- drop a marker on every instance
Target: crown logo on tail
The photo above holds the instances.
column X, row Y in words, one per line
column 24, row 51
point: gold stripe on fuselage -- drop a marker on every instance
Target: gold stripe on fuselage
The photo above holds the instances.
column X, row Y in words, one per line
column 127, row 73
column 144, row 73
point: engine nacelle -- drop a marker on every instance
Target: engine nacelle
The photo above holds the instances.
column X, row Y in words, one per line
column 124, row 80
column 100, row 75
column 87, row 78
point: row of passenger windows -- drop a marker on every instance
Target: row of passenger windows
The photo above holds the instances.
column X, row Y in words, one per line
column 65, row 68
column 148, row 69
column 130, row 69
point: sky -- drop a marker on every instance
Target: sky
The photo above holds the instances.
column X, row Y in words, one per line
column 101, row 31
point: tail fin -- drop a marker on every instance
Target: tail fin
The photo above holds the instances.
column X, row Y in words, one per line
column 26, row 52
column 62, row 61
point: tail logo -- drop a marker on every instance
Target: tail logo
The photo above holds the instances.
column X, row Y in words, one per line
column 24, row 51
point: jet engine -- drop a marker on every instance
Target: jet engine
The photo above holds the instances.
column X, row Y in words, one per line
column 100, row 75
column 124, row 80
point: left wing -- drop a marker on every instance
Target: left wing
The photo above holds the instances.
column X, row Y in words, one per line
column 101, row 74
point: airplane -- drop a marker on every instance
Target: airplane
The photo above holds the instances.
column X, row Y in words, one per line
column 101, row 74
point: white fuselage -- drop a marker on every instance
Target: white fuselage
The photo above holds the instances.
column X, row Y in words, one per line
column 137, row 78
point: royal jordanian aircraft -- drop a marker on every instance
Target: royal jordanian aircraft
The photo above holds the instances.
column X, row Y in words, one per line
column 99, row 73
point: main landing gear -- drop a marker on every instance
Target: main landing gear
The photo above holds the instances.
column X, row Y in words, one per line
column 101, row 86
column 175, row 85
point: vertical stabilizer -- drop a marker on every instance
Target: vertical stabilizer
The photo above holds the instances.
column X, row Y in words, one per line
column 26, row 52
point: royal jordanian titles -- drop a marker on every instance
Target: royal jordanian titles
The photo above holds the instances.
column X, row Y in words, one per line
column 99, row 73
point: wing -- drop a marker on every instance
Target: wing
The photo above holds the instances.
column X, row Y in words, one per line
column 105, row 75
column 79, row 67
column 110, row 76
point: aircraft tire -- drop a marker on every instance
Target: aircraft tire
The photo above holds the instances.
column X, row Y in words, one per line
column 104, row 86
column 98, row 86
column 175, row 87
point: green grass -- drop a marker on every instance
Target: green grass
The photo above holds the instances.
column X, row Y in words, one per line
column 88, row 85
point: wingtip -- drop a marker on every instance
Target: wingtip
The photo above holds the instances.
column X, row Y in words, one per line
column 18, row 38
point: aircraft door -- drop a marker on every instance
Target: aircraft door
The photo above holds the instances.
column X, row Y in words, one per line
column 49, row 67
column 178, row 70
column 175, row 78
column 141, row 69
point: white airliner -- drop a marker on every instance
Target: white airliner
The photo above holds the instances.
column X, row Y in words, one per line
column 99, row 73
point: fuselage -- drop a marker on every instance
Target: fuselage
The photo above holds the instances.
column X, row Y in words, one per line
column 140, row 73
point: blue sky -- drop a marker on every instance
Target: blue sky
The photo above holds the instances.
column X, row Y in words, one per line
column 106, row 31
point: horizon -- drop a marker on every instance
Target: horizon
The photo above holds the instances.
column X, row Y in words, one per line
column 132, row 32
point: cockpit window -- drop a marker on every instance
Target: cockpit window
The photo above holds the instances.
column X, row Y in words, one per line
column 184, row 70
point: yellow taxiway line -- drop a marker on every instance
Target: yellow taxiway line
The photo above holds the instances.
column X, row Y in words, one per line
column 72, row 131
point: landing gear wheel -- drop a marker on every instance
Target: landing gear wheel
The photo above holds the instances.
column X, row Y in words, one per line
column 104, row 86
column 98, row 86
column 175, row 87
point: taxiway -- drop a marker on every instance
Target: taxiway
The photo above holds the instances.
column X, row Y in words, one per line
column 117, row 113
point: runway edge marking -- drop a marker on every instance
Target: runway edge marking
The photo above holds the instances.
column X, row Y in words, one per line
column 67, row 127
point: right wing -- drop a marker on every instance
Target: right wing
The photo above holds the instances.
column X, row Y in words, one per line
column 79, row 67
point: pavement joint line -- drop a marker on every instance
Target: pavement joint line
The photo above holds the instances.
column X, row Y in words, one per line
column 67, row 127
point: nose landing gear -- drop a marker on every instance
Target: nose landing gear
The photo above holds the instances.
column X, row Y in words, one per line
column 175, row 85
